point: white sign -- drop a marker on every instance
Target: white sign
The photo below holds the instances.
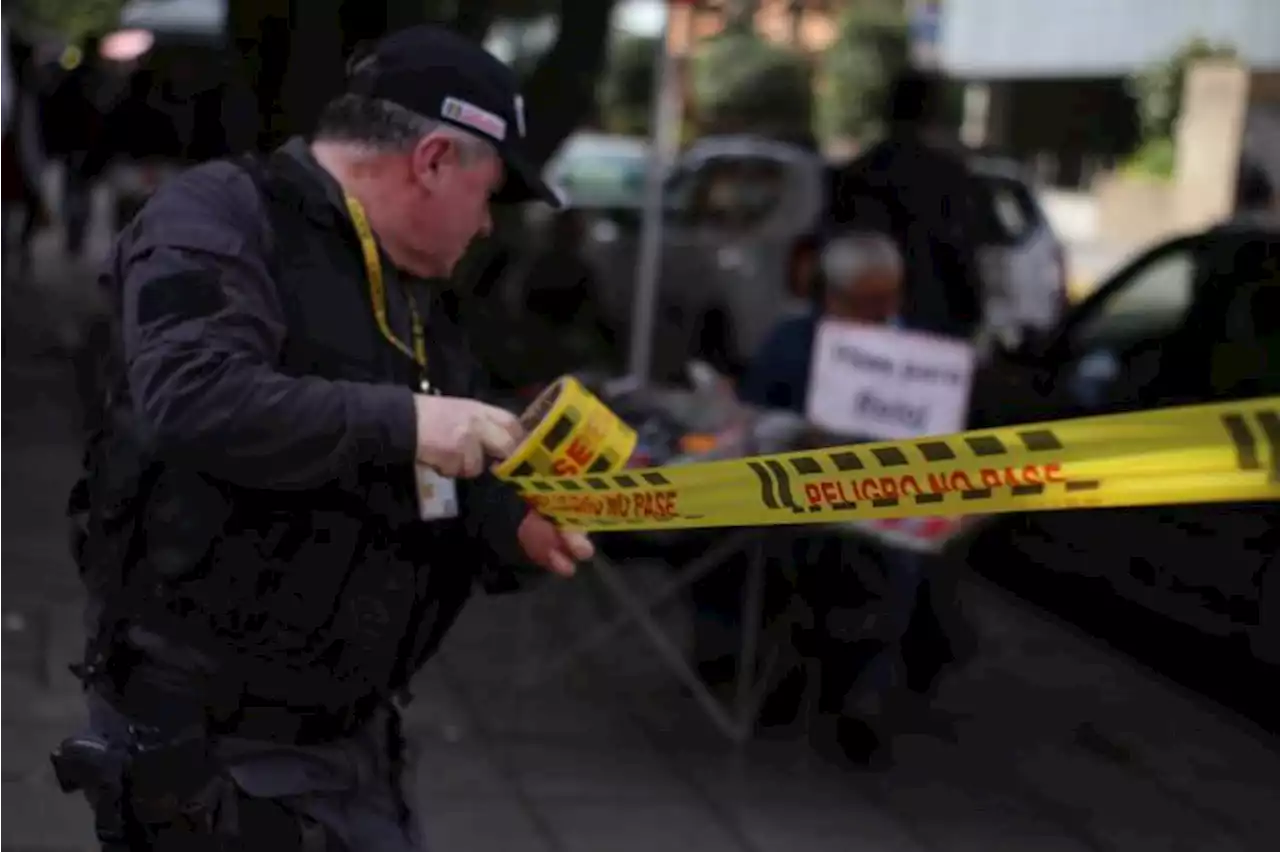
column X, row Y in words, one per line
column 873, row 382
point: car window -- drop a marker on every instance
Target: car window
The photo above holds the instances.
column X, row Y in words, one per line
column 603, row 179
column 1150, row 301
column 727, row 192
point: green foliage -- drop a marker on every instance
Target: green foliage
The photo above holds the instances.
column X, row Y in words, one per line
column 74, row 19
column 626, row 95
column 870, row 48
column 1154, row 160
column 745, row 84
column 1158, row 89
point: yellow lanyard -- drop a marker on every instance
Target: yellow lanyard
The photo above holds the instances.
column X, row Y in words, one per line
column 378, row 291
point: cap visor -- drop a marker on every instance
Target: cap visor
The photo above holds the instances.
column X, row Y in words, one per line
column 524, row 183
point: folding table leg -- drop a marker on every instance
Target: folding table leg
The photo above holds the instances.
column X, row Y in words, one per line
column 671, row 655
column 605, row 630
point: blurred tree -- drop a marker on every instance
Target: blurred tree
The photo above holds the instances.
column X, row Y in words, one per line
column 1158, row 92
column 870, row 47
column 626, row 95
column 744, row 84
column 73, row 18
column 1158, row 89
column 740, row 15
column 294, row 54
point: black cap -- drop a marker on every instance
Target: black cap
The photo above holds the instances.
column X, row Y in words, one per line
column 441, row 75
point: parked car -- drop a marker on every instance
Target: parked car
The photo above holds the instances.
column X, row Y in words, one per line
column 600, row 171
column 740, row 214
column 1193, row 319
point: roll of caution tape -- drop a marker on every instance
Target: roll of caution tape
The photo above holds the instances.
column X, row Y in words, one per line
column 570, row 467
column 568, row 432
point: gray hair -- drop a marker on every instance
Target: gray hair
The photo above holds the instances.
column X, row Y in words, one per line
column 387, row 127
column 848, row 257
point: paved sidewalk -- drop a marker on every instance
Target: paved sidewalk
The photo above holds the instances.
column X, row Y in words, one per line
column 1058, row 746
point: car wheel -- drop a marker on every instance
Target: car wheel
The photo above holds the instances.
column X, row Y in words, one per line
column 1264, row 639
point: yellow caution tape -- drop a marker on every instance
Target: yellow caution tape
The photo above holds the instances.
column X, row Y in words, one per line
column 571, row 468
column 569, row 432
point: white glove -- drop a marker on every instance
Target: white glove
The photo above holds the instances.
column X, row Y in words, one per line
column 456, row 436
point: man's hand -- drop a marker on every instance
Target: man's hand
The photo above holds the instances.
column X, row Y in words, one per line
column 456, row 436
column 552, row 548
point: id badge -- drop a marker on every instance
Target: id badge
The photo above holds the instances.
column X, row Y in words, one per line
column 437, row 495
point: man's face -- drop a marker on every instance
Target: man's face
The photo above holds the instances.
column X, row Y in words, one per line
column 873, row 298
column 453, row 181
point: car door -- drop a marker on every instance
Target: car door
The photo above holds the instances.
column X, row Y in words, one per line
column 1198, row 564
column 1104, row 352
column 1107, row 345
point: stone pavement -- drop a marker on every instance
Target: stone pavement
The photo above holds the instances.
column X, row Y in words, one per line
column 1057, row 743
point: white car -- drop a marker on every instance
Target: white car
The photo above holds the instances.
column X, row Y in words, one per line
column 1022, row 263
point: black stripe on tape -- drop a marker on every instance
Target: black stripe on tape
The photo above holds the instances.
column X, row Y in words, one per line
column 926, row 499
column 767, row 496
column 603, row 464
column 1245, row 443
column 544, row 486
column 655, row 479
column 1084, row 485
column 986, row 445
column 817, row 508
column 805, row 466
column 1028, row 490
column 784, row 485
column 523, row 469
column 598, row 484
column 1270, row 423
column 1040, row 440
column 884, row 502
column 570, row 485
column 625, row 481
column 842, row 507
column 890, row 456
column 976, row 494
column 847, row 460
column 559, row 430
column 935, row 451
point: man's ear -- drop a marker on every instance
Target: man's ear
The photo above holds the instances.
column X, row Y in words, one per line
column 430, row 152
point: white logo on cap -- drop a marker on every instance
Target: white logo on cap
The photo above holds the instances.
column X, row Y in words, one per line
column 469, row 115
column 520, row 128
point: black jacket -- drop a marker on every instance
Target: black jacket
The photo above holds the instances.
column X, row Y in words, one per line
column 261, row 445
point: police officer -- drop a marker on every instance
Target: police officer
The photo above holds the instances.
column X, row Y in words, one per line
column 287, row 502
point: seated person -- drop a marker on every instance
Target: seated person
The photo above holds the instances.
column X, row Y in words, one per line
column 860, row 667
column 860, row 280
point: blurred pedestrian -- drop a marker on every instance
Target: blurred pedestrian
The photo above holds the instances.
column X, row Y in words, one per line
column 73, row 118
column 915, row 188
column 25, row 210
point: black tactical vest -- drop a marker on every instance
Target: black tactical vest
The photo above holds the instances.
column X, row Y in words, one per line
column 316, row 597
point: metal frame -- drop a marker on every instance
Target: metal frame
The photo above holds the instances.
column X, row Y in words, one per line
column 735, row 722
